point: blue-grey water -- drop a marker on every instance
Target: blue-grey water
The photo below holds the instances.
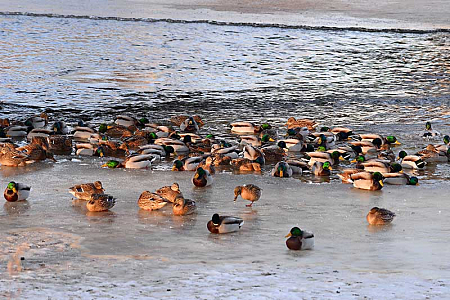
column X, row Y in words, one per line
column 94, row 69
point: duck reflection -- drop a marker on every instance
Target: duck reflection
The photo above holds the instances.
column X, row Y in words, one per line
column 379, row 228
column 16, row 208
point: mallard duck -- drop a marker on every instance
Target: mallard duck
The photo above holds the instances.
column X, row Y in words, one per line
column 202, row 178
column 85, row 149
column 36, row 152
column 162, row 150
column 248, row 192
column 282, row 169
column 431, row 154
column 178, row 120
column 389, row 140
column 341, row 133
column 382, row 167
column 13, row 158
column 108, row 151
column 400, row 179
column 16, row 192
column 85, row 191
column 367, row 146
column 293, row 123
column 100, row 202
column 367, row 181
column 178, row 146
column 187, row 164
column 170, row 192
column 250, row 140
column 116, row 131
column 380, row 216
column 429, row 132
column 231, row 152
column 208, row 164
column 83, row 133
column 254, row 154
column 346, row 174
column 299, row 133
column 244, row 127
column 182, row 206
column 410, row 161
column 37, row 121
column 221, row 159
column 16, row 131
column 125, row 121
column 133, row 143
column 294, row 145
column 300, row 240
column 151, row 201
column 60, row 127
column 134, row 161
column 39, row 132
column 224, row 224
column 60, row 145
column 332, row 158
column 274, row 153
column 245, row 164
column 298, row 166
column 189, row 125
column 321, row 168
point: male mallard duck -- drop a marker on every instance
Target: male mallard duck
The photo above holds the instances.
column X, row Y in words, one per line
column 321, row 168
column 178, row 146
column 16, row 192
column 410, row 161
column 367, row 146
column 109, row 149
column 170, row 192
column 85, row 149
column 125, row 121
column 400, row 179
column 342, row 133
column 245, row 164
column 299, row 133
column 37, row 121
column 60, row 127
column 250, row 140
column 324, row 139
column 100, row 202
column 254, row 154
column 39, row 132
column 187, row 164
column 282, row 169
column 429, row 132
column 298, row 166
column 300, row 240
column 349, row 152
column 134, row 161
column 346, row 174
column 16, row 131
column 274, row 152
column 389, row 140
column 182, row 206
column 294, row 145
column 208, row 164
column 83, row 133
column 380, row 216
column 332, row 158
column 248, row 192
column 382, row 167
column 224, row 224
column 202, row 178
column 151, row 201
column 293, row 123
column 231, row 151
column 85, row 191
column 162, row 150
column 13, row 158
column 367, row 181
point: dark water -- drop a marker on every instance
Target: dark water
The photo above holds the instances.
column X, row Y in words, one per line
column 99, row 68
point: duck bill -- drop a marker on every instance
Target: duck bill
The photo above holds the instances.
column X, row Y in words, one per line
column 341, row 158
column 14, row 190
column 381, row 182
column 104, row 165
column 353, row 161
column 174, row 168
column 281, row 173
column 271, row 140
column 289, row 235
column 397, row 143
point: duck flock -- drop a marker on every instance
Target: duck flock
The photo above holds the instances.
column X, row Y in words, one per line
column 366, row 160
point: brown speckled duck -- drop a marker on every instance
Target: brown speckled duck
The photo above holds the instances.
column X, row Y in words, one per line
column 170, row 192
column 100, row 202
column 86, row 190
column 248, row 192
column 380, row 216
column 151, row 201
column 182, row 206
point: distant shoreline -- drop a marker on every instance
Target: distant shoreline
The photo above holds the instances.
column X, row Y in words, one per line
column 406, row 16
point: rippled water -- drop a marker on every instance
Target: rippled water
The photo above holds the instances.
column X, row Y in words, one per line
column 95, row 69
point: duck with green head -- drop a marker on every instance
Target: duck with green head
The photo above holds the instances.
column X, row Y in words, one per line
column 321, row 168
column 224, row 224
column 276, row 152
column 300, row 240
column 16, row 192
column 410, row 161
column 367, row 181
column 202, row 178
column 282, row 170
column 400, row 179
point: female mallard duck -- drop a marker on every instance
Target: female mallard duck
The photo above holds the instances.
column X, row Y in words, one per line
column 221, row 159
column 224, row 224
column 36, row 152
column 248, row 192
column 133, row 143
column 178, row 120
column 202, row 178
column 151, row 201
column 182, row 206
column 85, row 191
column 115, row 131
column 254, row 154
column 245, row 164
column 380, row 216
column 300, row 240
column 431, row 154
column 16, row 192
column 321, row 168
column 170, row 192
column 293, row 123
column 244, row 127
column 60, row 145
column 282, row 169
column 367, row 181
column 13, row 158
column 275, row 152
column 189, row 125
column 400, row 179
column 100, row 202
column 410, row 161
